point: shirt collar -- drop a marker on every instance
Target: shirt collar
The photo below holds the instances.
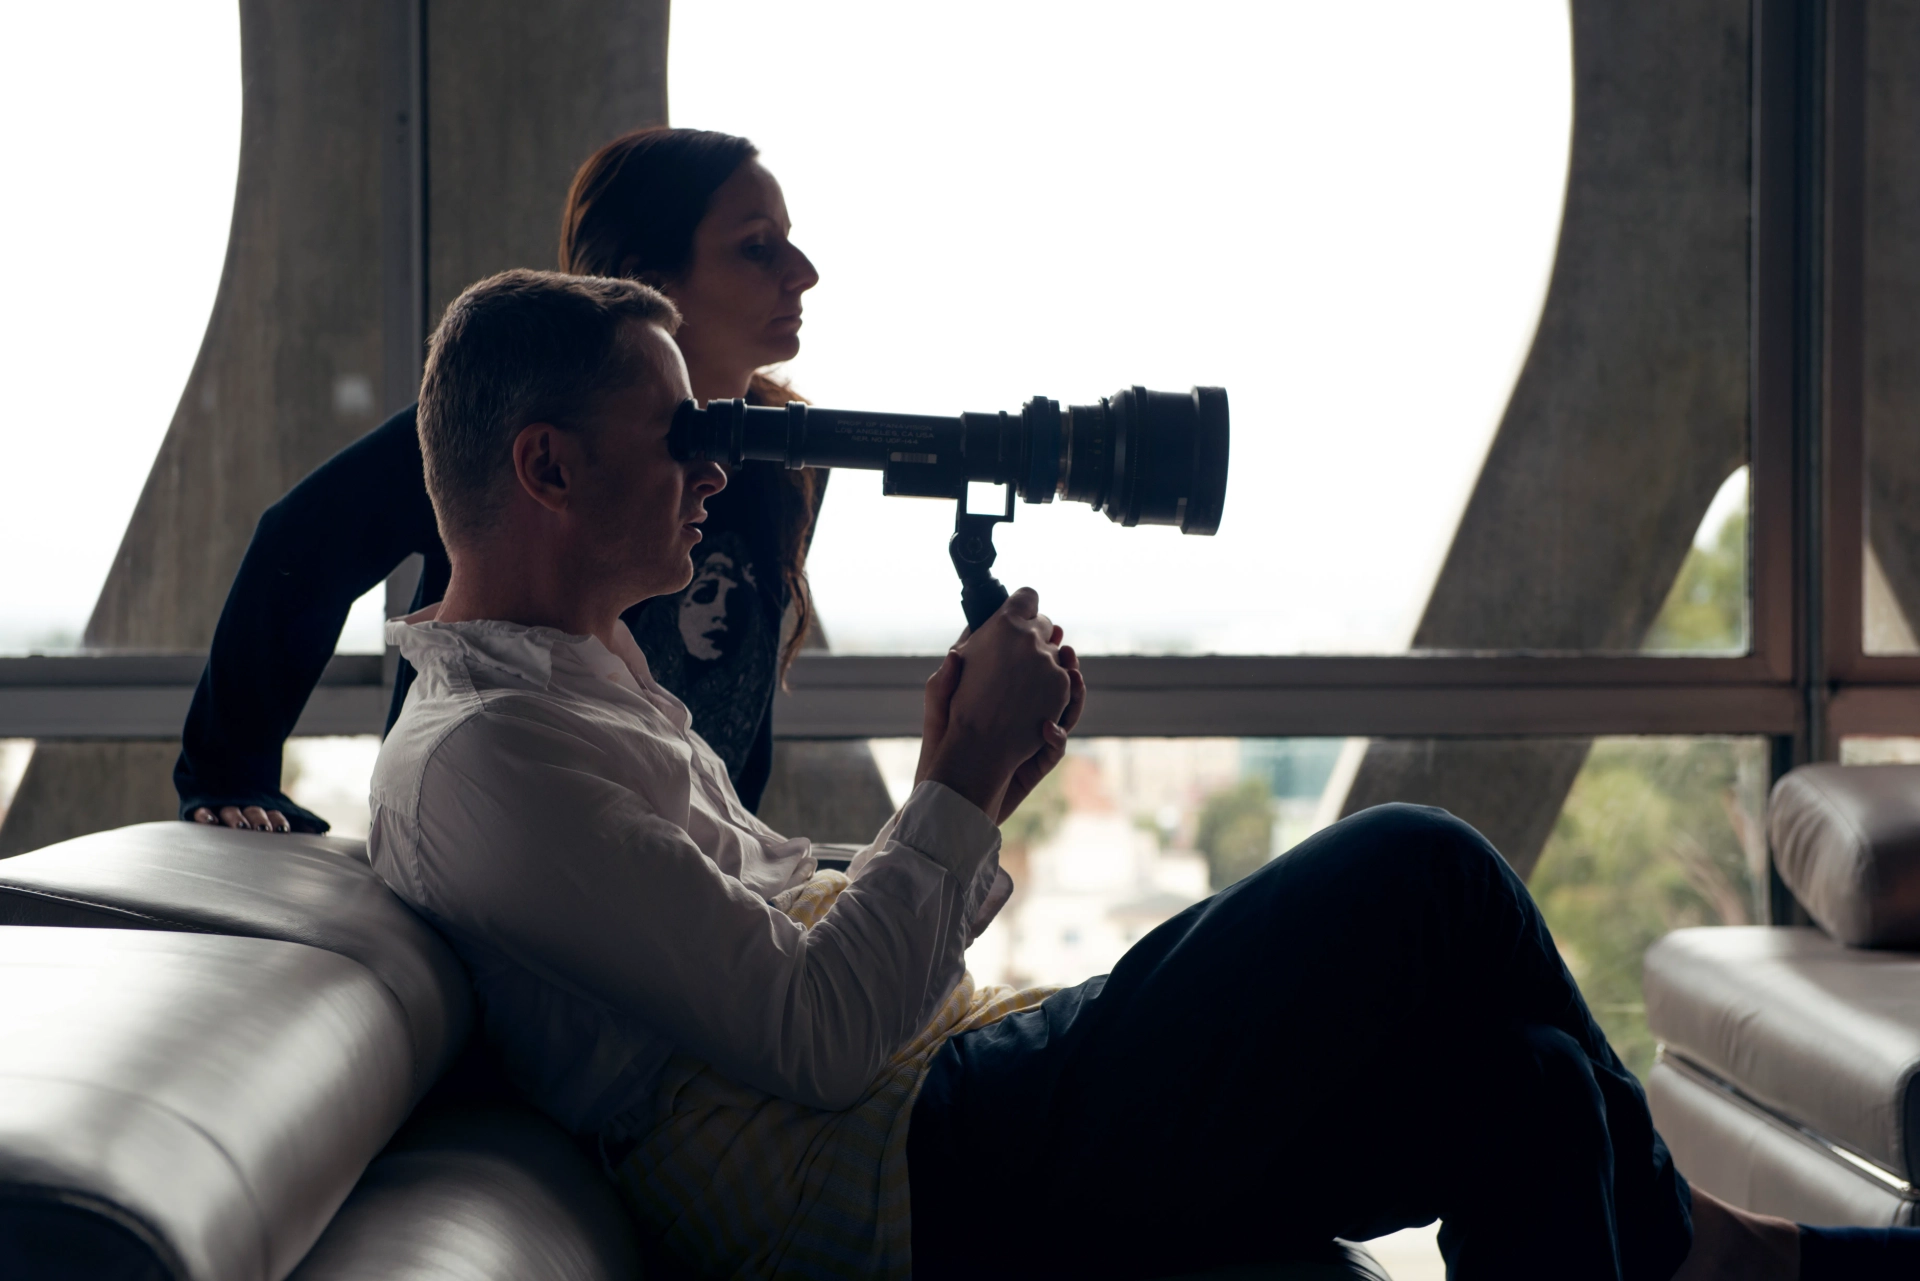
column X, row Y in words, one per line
column 522, row 655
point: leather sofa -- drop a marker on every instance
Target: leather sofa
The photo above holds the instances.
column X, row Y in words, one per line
column 1788, row 1077
column 231, row 1056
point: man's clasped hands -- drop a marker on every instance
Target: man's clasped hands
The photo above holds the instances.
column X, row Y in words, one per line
column 1000, row 708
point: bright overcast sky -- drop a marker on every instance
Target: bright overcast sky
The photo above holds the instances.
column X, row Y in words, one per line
column 1344, row 214
column 120, row 141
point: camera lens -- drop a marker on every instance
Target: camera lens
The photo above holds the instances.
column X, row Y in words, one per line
column 1142, row 457
column 1149, row 457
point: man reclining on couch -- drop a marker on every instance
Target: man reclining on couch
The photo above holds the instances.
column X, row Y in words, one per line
column 790, row 1073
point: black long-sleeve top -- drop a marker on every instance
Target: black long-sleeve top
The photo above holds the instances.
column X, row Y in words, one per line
column 347, row 526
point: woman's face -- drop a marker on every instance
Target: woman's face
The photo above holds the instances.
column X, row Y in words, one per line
column 704, row 605
column 740, row 297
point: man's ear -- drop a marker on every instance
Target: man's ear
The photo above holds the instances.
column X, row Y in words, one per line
column 544, row 465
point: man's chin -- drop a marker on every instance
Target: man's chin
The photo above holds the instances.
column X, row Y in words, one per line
column 668, row 583
column 682, row 576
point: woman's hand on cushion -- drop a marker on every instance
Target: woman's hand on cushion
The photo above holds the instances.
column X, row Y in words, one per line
column 252, row 818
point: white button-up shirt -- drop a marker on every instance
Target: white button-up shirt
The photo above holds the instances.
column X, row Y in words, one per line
column 548, row 806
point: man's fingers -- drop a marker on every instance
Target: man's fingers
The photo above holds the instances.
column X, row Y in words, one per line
column 945, row 679
column 939, row 700
column 278, row 821
column 1076, row 702
column 257, row 819
column 204, row 815
column 232, row 817
column 1024, row 603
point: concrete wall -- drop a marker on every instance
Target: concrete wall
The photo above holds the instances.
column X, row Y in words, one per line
column 518, row 95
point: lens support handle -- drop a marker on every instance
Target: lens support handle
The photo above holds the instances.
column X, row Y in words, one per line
column 972, row 551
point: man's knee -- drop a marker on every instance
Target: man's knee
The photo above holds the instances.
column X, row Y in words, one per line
column 1550, row 1076
column 1404, row 838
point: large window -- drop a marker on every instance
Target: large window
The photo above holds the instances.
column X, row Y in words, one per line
column 1558, row 414
column 1572, row 369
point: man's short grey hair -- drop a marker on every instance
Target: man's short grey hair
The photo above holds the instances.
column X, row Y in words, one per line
column 518, row 348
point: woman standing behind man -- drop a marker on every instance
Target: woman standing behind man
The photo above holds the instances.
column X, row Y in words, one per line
column 690, row 212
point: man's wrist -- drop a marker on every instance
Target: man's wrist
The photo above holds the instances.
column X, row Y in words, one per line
column 969, row 768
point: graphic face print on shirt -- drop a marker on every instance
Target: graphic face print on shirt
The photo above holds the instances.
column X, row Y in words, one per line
column 715, row 644
column 704, row 605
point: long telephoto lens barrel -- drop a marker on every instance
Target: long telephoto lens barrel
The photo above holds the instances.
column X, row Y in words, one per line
column 1142, row 457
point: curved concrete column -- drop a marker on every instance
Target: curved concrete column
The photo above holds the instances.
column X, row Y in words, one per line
column 1631, row 409
column 517, row 96
column 292, row 365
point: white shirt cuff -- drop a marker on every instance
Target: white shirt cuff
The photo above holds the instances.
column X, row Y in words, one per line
column 947, row 828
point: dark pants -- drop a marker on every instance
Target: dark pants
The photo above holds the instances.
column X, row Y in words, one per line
column 1371, row 1032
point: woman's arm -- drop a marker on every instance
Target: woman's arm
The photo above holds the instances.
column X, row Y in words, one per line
column 332, row 538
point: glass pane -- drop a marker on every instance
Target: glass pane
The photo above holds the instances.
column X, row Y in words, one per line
column 1875, row 750
column 330, row 776
column 365, row 631
column 1303, row 193
column 1891, row 332
column 14, row 754
column 87, row 379
column 1707, row 609
column 1656, row 834
column 1348, row 217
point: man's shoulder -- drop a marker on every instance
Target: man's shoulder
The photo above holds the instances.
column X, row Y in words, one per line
column 478, row 736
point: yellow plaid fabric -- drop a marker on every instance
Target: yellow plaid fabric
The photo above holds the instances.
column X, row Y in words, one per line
column 738, row 1183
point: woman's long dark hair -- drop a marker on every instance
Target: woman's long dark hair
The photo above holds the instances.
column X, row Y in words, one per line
column 632, row 211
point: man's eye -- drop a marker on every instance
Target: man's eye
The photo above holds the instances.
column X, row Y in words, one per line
column 757, row 252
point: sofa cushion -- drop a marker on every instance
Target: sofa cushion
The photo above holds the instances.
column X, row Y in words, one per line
column 315, row 890
column 1736, row 1150
column 1827, row 1035
column 478, row 1192
column 494, row 1191
column 211, row 1100
column 1847, row 842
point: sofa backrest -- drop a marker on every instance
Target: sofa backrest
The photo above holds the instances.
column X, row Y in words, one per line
column 205, row 879
column 185, row 1105
column 1847, row 842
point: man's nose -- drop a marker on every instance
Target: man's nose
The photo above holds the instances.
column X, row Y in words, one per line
column 706, row 477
